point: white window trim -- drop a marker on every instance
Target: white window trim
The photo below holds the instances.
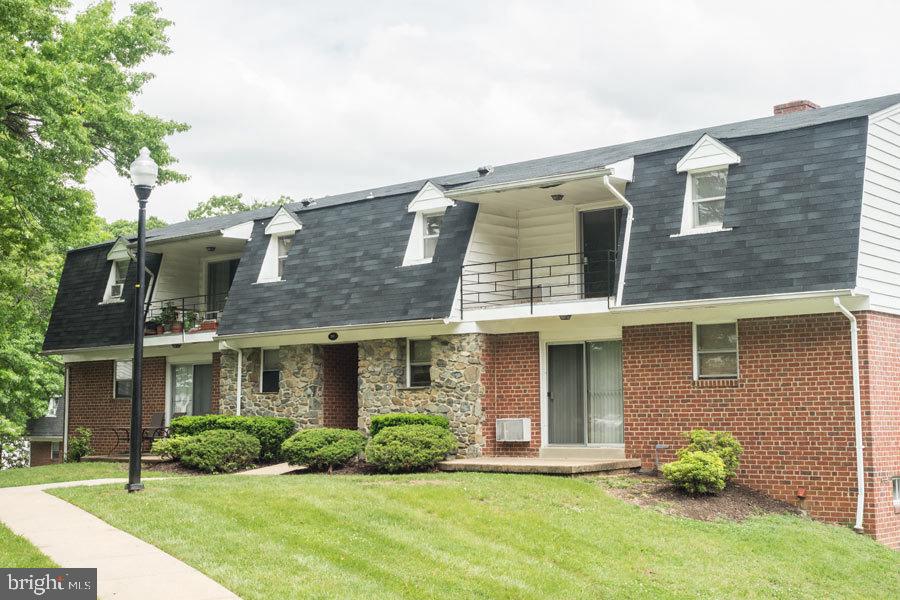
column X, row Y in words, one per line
column 268, row 272
column 52, row 407
column 696, row 354
column 895, row 493
column 108, row 298
column 415, row 248
column 115, row 378
column 262, row 364
column 409, row 364
column 687, row 212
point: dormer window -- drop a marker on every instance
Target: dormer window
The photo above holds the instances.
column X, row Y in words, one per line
column 117, row 284
column 281, row 231
column 432, row 230
column 119, row 257
column 429, row 207
column 706, row 165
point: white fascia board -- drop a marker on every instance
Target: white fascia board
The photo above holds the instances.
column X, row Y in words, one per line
column 430, row 197
column 530, row 183
column 241, row 231
column 708, row 152
column 120, row 250
column 624, row 169
column 283, row 222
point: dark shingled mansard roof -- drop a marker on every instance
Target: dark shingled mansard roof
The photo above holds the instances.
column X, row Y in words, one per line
column 793, row 206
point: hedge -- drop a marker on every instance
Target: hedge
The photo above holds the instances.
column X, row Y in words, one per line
column 323, row 448
column 219, row 451
column 270, row 431
column 697, row 472
column 409, row 447
column 380, row 422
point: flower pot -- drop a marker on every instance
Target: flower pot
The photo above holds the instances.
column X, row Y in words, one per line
column 160, row 330
column 177, row 327
column 209, row 325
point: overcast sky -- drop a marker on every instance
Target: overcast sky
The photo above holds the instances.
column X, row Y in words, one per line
column 316, row 98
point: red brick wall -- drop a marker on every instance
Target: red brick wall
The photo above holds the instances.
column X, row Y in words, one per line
column 40, row 454
column 513, row 389
column 792, row 408
column 879, row 342
column 340, row 406
column 91, row 402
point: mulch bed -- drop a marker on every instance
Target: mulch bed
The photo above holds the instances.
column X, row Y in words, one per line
column 170, row 466
column 735, row 503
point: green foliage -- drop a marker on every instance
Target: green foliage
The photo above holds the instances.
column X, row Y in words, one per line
column 323, row 448
column 720, row 443
column 409, row 447
column 79, row 444
column 380, row 422
column 67, row 83
column 270, row 431
column 128, row 229
column 229, row 204
column 170, row 447
column 697, row 472
column 220, row 451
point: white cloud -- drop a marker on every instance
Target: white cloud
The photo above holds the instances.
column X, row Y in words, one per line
column 309, row 99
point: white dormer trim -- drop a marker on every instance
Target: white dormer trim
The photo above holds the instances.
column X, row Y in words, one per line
column 241, row 231
column 624, row 169
column 430, row 198
column 284, row 222
column 120, row 250
column 707, row 153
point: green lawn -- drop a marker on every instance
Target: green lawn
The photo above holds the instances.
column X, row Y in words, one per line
column 479, row 535
column 68, row 472
column 16, row 552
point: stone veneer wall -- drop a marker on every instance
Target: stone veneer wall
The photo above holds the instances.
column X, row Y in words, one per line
column 299, row 395
column 457, row 384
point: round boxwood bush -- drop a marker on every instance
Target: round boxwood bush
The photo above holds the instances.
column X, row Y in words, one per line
column 171, row 447
column 270, row 431
column 409, row 447
column 380, row 422
column 720, row 443
column 220, row 451
column 697, row 472
column 323, row 448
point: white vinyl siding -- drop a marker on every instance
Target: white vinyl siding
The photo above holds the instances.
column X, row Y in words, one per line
column 180, row 275
column 879, row 237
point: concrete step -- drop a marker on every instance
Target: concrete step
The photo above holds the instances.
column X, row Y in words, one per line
column 582, row 453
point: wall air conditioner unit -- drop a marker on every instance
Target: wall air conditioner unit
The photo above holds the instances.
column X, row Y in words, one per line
column 115, row 290
column 513, row 430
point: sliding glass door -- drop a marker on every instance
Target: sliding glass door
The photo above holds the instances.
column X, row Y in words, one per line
column 191, row 392
column 584, row 393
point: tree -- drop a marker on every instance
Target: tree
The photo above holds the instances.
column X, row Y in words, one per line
column 66, row 105
column 229, row 204
column 127, row 228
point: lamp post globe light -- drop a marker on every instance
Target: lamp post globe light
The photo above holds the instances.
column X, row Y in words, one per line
column 143, row 177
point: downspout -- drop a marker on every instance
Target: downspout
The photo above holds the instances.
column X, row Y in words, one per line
column 65, row 448
column 624, row 263
column 857, row 415
column 240, row 378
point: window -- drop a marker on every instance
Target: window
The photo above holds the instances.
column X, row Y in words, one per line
column 716, row 351
column 271, row 371
column 895, row 482
column 116, row 286
column 123, row 381
column 418, row 359
column 52, row 406
column 431, row 231
column 284, row 246
column 708, row 199
column 54, row 451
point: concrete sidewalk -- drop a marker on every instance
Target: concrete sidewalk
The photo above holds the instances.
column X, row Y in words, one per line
column 127, row 567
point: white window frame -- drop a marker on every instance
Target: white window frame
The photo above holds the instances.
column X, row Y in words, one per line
column 895, row 493
column 426, row 236
column 116, row 378
column 280, row 258
column 262, row 369
column 687, row 214
column 57, row 446
column 52, row 406
column 409, row 363
column 696, row 352
column 108, row 297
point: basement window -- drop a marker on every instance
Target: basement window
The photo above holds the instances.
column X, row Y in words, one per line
column 716, row 351
column 418, row 363
column 54, row 451
column 122, row 383
column 270, row 374
column 895, row 482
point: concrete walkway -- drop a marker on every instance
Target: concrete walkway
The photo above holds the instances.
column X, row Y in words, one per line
column 127, row 567
column 278, row 469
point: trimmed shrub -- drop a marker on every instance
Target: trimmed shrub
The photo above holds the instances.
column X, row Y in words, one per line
column 409, row 447
column 220, row 451
column 697, row 472
column 171, row 447
column 79, row 445
column 323, row 448
column 380, row 422
column 270, row 431
column 721, row 443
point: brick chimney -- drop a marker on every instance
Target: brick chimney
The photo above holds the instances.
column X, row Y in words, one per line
column 794, row 106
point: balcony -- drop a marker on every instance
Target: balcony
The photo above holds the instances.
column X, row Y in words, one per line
column 525, row 283
column 183, row 317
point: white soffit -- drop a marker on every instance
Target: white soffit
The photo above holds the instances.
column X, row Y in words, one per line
column 624, row 169
column 706, row 153
column 430, row 197
column 119, row 250
column 283, row 222
column 241, row 231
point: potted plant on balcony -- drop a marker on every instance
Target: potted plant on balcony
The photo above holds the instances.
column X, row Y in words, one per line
column 152, row 327
column 190, row 320
column 168, row 315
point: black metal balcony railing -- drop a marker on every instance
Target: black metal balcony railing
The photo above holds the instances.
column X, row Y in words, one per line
column 190, row 314
column 554, row 278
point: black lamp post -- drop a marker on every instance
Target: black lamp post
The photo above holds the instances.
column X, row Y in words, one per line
column 143, row 177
